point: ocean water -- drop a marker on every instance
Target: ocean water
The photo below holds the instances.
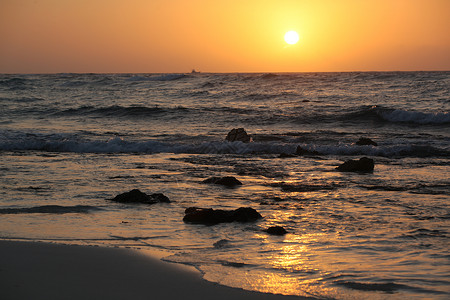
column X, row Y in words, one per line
column 71, row 142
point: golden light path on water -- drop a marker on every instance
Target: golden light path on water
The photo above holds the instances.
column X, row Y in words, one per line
column 293, row 257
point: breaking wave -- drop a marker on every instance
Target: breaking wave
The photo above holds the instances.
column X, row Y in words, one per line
column 400, row 116
column 416, row 117
column 20, row 141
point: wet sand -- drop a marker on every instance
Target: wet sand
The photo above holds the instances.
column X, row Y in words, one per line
column 32, row 270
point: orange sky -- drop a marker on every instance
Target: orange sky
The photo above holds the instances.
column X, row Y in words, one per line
column 113, row 36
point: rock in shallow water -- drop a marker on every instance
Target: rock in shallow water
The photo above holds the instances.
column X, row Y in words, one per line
column 364, row 164
column 238, row 134
column 136, row 196
column 366, row 142
column 209, row 216
column 227, row 181
column 276, row 230
column 286, row 155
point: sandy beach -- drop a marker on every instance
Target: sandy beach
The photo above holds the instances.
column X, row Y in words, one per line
column 31, row 270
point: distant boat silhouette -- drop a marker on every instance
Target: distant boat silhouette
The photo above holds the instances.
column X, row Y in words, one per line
column 194, row 71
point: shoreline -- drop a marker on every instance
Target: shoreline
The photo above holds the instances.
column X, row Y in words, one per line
column 36, row 270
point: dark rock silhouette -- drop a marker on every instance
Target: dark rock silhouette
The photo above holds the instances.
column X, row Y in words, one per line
column 303, row 151
column 365, row 142
column 364, row 164
column 49, row 209
column 286, row 155
column 276, row 230
column 136, row 196
column 238, row 134
column 223, row 243
column 209, row 216
column 229, row 181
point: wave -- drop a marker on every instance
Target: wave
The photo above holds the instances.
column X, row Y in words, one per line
column 366, row 286
column 146, row 111
column 415, row 117
column 265, row 96
column 15, row 83
column 387, row 287
column 19, row 141
column 165, row 77
column 102, row 79
column 301, row 187
column 119, row 111
column 21, row 99
column 60, row 143
column 384, row 151
column 419, row 188
column 49, row 209
column 384, row 114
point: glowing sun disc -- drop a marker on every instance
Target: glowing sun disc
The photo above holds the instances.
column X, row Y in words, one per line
column 291, row 37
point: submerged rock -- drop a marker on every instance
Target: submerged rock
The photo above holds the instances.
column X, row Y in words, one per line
column 286, row 155
column 136, row 196
column 229, row 181
column 238, row 134
column 364, row 164
column 303, row 151
column 223, row 243
column 276, row 230
column 365, row 142
column 209, row 216
column 50, row 209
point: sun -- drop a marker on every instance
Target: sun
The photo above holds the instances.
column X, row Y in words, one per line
column 291, row 37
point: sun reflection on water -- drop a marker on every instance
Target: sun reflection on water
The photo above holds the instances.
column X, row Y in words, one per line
column 296, row 275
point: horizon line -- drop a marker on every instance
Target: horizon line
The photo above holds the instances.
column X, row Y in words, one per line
column 232, row 72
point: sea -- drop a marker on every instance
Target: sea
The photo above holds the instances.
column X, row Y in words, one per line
column 69, row 143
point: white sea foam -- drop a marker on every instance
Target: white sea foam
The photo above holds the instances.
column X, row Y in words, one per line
column 70, row 143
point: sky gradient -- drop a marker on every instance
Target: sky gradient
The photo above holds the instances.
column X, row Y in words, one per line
column 143, row 36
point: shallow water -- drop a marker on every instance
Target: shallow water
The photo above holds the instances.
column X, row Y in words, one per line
column 74, row 141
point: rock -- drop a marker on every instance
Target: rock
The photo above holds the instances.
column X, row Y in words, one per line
column 365, row 142
column 229, row 181
column 136, row 196
column 245, row 214
column 286, row 155
column 238, row 134
column 303, row 151
column 209, row 216
column 159, row 197
column 276, row 230
column 364, row 164
column 223, row 243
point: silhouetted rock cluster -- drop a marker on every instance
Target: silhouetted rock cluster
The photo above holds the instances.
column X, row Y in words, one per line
column 364, row 164
column 136, row 196
column 365, row 142
column 209, row 216
column 229, row 181
column 238, row 134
